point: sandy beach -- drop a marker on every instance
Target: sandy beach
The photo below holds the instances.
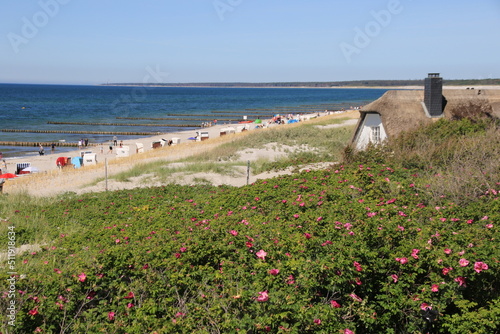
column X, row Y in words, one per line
column 52, row 180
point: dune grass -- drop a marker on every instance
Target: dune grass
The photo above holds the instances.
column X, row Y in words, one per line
column 317, row 144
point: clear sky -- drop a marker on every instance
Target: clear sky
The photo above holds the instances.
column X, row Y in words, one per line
column 99, row 41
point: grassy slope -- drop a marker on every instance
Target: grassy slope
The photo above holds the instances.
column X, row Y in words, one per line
column 174, row 249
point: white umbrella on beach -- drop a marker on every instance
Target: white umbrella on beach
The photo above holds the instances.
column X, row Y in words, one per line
column 31, row 169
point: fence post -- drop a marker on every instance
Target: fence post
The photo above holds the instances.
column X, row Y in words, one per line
column 248, row 171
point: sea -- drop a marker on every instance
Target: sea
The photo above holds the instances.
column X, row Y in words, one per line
column 69, row 113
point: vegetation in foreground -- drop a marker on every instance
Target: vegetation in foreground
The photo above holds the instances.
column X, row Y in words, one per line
column 370, row 246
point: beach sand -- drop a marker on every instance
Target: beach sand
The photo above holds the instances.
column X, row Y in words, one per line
column 51, row 180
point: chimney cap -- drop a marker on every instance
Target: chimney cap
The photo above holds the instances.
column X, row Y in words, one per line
column 433, row 75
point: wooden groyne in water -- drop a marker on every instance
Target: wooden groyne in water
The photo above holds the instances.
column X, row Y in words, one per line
column 207, row 119
column 126, row 124
column 212, row 116
column 45, row 144
column 87, row 132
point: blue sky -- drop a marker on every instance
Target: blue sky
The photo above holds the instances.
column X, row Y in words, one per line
column 93, row 42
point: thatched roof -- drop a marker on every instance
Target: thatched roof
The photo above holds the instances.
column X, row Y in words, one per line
column 402, row 110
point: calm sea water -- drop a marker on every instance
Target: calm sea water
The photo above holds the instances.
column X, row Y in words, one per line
column 32, row 106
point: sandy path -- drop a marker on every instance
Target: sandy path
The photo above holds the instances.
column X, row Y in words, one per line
column 52, row 181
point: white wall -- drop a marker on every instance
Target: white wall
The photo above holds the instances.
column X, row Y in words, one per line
column 365, row 133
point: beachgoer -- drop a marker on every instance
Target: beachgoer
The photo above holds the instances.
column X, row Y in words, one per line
column 41, row 151
column 110, row 148
column 4, row 165
column 86, row 142
column 115, row 141
column 121, row 143
column 53, row 148
column 2, row 181
column 102, row 149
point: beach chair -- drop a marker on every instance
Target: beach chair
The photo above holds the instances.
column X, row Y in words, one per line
column 123, row 151
column 201, row 135
column 176, row 141
column 90, row 159
column 22, row 165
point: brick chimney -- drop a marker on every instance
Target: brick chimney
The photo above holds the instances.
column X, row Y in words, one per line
column 433, row 94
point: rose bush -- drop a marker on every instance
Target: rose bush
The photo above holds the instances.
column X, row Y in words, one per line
column 356, row 248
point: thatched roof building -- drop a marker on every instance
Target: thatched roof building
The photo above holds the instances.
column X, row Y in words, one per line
column 402, row 110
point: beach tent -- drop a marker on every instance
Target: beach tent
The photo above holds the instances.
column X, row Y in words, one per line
column 61, row 161
column 292, row 121
column 77, row 162
column 258, row 121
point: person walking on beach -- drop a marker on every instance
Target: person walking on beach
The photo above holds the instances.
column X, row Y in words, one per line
column 53, row 148
column 41, row 151
column 115, row 141
column 110, row 148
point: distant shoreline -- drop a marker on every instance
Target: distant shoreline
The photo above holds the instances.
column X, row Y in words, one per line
column 375, row 84
column 309, row 87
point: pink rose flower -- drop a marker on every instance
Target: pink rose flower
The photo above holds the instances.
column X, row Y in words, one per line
column 480, row 266
column 463, row 262
column 111, row 316
column 335, row 304
column 414, row 253
column 460, row 280
column 274, row 272
column 447, row 270
column 82, row 277
column 261, row 254
column 263, row 296
column 355, row 297
column 425, row 306
column 130, row 295
column 358, row 266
